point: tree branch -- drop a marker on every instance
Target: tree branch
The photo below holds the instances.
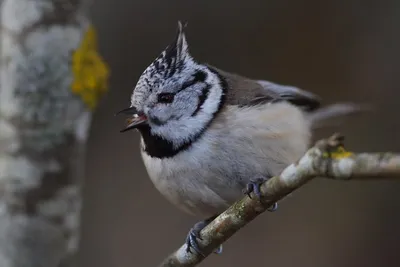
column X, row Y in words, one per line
column 327, row 158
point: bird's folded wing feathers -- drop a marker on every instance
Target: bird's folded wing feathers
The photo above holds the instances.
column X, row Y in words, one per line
column 244, row 92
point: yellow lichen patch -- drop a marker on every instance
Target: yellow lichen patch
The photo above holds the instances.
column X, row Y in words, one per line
column 339, row 153
column 90, row 72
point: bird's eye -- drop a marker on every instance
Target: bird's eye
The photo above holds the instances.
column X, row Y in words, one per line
column 166, row 97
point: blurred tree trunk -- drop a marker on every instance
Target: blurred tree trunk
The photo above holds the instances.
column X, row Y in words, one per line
column 51, row 79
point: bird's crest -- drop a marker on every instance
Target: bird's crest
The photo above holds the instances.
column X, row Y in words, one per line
column 171, row 61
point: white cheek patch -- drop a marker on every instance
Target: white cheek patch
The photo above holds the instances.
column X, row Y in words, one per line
column 183, row 130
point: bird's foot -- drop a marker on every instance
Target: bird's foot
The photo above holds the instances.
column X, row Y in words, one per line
column 254, row 186
column 194, row 234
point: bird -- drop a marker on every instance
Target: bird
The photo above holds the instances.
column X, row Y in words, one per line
column 208, row 136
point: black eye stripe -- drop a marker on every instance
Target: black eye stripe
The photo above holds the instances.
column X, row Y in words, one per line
column 199, row 76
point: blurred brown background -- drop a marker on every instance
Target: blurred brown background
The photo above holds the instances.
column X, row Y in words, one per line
column 342, row 50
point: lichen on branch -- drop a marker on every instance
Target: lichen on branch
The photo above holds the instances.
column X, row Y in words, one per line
column 90, row 73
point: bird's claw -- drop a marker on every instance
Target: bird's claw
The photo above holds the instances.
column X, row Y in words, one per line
column 191, row 241
column 219, row 250
column 194, row 234
column 254, row 186
column 273, row 208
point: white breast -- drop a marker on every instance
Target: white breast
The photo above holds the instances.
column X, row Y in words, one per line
column 240, row 144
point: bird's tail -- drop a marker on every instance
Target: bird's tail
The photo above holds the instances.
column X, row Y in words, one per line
column 334, row 114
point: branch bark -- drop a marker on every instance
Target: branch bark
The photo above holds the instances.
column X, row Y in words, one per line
column 45, row 115
column 327, row 158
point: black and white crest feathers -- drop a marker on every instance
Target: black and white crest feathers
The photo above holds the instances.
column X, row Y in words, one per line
column 174, row 55
column 168, row 63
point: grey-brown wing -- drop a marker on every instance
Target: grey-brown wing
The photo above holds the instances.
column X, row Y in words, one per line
column 244, row 91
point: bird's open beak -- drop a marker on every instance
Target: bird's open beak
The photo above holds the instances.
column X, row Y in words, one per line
column 137, row 119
